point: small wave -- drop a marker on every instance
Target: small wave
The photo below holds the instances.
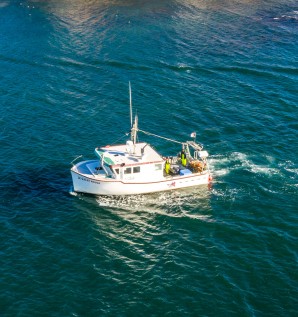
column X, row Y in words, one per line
column 269, row 190
column 219, row 173
column 289, row 167
column 4, row 4
column 185, row 67
column 287, row 17
column 230, row 195
column 182, row 67
column 263, row 169
column 294, row 171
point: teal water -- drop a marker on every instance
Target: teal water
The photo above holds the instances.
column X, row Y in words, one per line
column 226, row 69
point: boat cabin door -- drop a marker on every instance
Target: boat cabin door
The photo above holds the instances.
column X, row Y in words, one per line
column 121, row 172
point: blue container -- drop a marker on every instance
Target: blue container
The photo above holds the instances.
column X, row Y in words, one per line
column 185, row 172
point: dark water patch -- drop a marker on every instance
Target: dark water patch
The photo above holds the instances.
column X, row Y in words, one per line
column 260, row 70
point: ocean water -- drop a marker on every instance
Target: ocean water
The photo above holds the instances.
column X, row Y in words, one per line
column 225, row 69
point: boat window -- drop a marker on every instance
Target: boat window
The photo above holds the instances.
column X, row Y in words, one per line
column 136, row 169
column 158, row 167
column 117, row 170
column 127, row 170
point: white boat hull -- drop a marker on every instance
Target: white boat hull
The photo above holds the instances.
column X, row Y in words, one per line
column 92, row 184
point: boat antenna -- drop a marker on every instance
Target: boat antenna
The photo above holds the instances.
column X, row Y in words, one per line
column 134, row 130
column 130, row 103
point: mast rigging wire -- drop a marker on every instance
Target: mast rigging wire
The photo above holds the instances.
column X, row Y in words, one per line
column 161, row 137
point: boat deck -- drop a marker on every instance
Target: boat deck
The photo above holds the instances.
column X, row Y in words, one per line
column 89, row 169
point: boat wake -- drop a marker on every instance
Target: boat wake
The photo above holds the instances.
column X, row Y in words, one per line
column 238, row 175
column 190, row 203
column 221, row 165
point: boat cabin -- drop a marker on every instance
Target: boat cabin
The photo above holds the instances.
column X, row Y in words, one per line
column 131, row 161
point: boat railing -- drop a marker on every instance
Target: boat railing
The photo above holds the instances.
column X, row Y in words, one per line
column 195, row 146
column 72, row 162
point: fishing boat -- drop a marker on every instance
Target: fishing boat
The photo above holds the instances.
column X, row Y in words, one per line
column 137, row 168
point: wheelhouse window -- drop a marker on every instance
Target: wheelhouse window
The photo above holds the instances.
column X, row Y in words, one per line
column 127, row 170
column 117, row 170
column 158, row 167
column 136, row 169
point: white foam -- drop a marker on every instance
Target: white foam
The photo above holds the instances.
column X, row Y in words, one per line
column 238, row 160
column 222, row 165
column 263, row 169
column 72, row 192
column 176, row 204
column 292, row 170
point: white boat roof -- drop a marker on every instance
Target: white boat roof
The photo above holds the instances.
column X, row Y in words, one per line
column 128, row 154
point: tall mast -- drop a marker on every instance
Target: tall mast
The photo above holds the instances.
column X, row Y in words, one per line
column 134, row 126
column 130, row 104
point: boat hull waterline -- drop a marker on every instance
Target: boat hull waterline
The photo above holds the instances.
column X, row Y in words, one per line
column 97, row 185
